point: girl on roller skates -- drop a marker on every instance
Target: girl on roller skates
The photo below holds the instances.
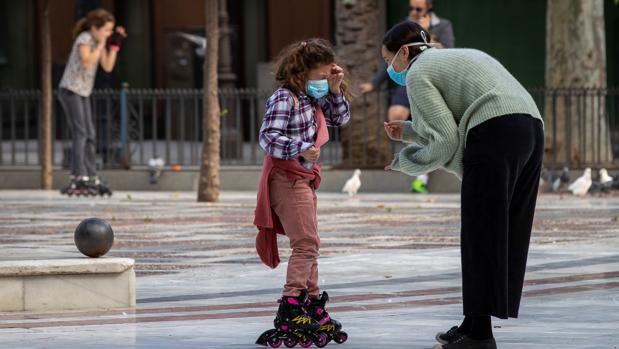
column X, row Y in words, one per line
column 311, row 96
column 95, row 43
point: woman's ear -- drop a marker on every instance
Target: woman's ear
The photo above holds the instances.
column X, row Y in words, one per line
column 404, row 51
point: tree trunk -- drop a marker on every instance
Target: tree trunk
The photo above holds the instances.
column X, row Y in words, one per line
column 358, row 39
column 577, row 132
column 208, row 187
column 45, row 139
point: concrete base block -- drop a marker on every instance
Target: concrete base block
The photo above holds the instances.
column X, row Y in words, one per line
column 67, row 284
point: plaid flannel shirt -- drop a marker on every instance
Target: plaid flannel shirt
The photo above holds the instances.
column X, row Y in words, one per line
column 289, row 129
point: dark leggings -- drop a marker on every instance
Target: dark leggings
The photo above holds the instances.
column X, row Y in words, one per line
column 79, row 116
column 502, row 165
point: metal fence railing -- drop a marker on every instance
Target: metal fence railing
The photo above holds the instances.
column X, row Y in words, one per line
column 581, row 126
column 134, row 125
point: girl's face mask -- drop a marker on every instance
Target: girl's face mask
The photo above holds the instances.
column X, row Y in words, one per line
column 317, row 88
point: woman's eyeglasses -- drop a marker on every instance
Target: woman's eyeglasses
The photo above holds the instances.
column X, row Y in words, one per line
column 416, row 9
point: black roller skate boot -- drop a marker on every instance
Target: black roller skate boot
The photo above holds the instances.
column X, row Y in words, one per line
column 331, row 327
column 293, row 325
column 100, row 187
column 79, row 186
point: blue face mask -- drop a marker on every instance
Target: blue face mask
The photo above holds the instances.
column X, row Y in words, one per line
column 397, row 77
column 317, row 88
column 400, row 77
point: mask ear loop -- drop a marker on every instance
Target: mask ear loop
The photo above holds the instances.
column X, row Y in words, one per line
column 422, row 47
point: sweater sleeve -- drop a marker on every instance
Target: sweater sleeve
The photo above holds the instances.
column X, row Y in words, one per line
column 438, row 139
column 336, row 109
column 409, row 135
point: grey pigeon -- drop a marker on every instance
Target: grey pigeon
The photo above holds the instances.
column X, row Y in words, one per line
column 605, row 180
column 155, row 167
column 603, row 184
column 558, row 182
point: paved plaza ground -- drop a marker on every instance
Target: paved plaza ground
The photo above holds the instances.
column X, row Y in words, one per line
column 390, row 262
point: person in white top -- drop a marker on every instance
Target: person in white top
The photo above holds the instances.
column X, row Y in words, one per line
column 96, row 42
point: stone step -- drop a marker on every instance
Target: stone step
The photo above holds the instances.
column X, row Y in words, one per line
column 67, row 284
column 232, row 179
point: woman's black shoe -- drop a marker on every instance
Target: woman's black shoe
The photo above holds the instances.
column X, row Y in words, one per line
column 465, row 342
column 450, row 336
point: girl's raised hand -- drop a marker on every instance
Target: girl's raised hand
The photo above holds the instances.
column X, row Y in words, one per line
column 335, row 79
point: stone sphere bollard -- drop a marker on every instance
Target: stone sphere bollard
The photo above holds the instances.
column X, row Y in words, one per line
column 94, row 237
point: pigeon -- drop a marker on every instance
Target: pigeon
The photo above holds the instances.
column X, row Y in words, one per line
column 353, row 184
column 582, row 184
column 559, row 182
column 606, row 181
column 155, row 166
column 604, row 177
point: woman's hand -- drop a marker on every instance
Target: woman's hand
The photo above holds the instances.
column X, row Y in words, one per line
column 121, row 30
column 394, row 129
column 312, row 154
column 336, row 78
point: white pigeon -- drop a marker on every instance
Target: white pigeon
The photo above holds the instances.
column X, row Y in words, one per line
column 604, row 177
column 353, row 184
column 582, row 184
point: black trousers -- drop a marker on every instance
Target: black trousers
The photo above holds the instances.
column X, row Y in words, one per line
column 502, row 166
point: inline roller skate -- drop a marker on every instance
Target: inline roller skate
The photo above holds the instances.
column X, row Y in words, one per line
column 79, row 186
column 293, row 325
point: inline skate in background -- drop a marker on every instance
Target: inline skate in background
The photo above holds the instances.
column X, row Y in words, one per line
column 85, row 186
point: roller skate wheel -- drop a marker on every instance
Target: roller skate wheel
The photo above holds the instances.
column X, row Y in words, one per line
column 264, row 337
column 321, row 340
column 290, row 342
column 275, row 342
column 341, row 337
column 305, row 342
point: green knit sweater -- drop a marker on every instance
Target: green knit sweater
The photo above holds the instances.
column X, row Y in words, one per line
column 451, row 91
